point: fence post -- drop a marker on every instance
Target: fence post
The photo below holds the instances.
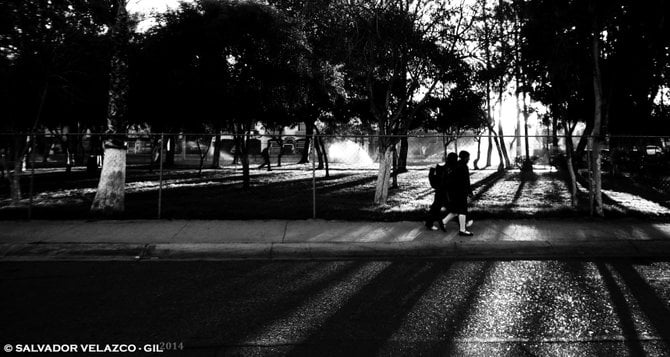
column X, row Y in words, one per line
column 160, row 177
column 313, row 177
column 32, row 175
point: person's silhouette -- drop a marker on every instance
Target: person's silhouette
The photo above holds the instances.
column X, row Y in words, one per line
column 266, row 158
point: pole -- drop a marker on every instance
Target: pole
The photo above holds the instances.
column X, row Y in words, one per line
column 160, row 178
column 313, row 177
column 32, row 175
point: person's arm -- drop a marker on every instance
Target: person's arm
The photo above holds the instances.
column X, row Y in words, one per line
column 467, row 181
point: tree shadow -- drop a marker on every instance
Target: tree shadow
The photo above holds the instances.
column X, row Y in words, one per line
column 485, row 184
column 519, row 190
column 622, row 310
column 348, row 184
column 653, row 307
column 373, row 314
column 607, row 200
column 365, row 325
column 459, row 315
column 234, row 311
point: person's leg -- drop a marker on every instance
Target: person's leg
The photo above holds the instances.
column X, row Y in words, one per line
column 463, row 225
column 449, row 217
column 432, row 214
column 461, row 222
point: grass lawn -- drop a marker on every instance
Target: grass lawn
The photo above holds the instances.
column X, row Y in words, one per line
column 286, row 193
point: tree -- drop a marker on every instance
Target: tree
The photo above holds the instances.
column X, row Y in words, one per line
column 455, row 113
column 229, row 65
column 394, row 54
column 492, row 51
column 53, row 69
column 596, row 62
column 110, row 196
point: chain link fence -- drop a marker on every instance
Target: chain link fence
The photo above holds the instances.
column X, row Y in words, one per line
column 201, row 176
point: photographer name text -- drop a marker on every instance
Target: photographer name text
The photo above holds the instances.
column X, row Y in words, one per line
column 94, row 348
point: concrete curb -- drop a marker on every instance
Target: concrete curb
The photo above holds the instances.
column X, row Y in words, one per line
column 473, row 250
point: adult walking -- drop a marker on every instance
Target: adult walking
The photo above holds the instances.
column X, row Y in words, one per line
column 459, row 190
column 266, row 158
column 440, row 201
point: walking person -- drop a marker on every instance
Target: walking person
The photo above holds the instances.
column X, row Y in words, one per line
column 458, row 192
column 440, row 184
column 266, row 158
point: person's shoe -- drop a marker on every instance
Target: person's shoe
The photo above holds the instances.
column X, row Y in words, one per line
column 465, row 233
column 441, row 225
column 469, row 223
column 430, row 227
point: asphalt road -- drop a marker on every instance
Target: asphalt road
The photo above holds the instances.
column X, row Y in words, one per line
column 438, row 307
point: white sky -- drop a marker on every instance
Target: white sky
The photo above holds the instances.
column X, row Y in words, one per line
column 147, row 7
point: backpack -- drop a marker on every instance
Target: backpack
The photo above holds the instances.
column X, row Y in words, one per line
column 432, row 177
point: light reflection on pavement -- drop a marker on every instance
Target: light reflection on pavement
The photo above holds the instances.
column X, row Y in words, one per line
column 509, row 308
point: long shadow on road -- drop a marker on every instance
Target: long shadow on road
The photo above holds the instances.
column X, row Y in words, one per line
column 374, row 313
column 623, row 311
column 653, row 307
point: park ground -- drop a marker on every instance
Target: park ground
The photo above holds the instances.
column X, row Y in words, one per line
column 286, row 192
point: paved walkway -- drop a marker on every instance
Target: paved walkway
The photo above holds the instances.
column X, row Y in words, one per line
column 319, row 239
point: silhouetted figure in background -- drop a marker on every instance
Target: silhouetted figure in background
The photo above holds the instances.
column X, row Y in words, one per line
column 266, row 158
column 94, row 161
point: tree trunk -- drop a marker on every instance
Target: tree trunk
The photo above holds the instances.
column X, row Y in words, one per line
column 402, row 156
column 569, row 150
column 554, row 131
column 216, row 157
column 479, row 153
column 69, row 159
column 597, row 124
column 110, row 196
column 489, row 150
column 488, row 82
column 170, row 147
column 14, row 176
column 517, row 131
column 525, row 126
column 309, row 129
column 244, row 158
column 319, row 153
column 517, row 78
column 501, row 164
column 583, row 140
column 242, row 148
column 202, row 154
column 502, row 147
column 384, row 174
column 156, row 154
column 395, row 168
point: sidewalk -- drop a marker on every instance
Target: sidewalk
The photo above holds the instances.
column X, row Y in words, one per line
column 320, row 239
